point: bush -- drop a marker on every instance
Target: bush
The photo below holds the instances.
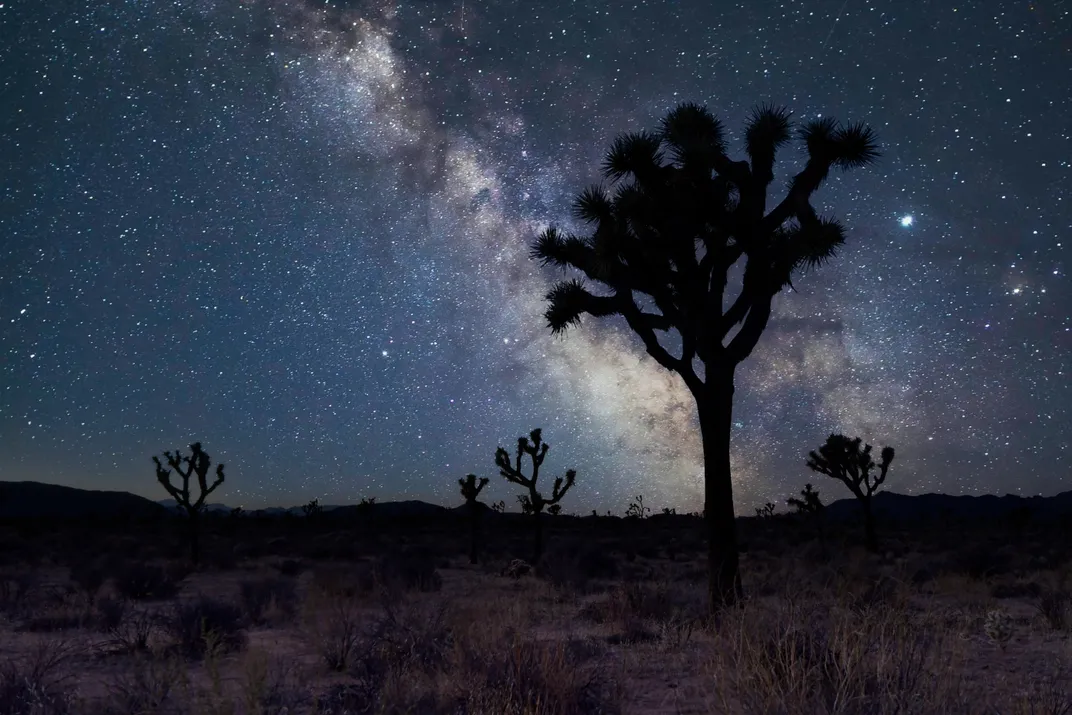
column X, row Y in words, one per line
column 33, row 684
column 88, row 576
column 410, row 570
column 145, row 582
column 263, row 597
column 290, row 567
column 574, row 567
column 1056, row 607
column 201, row 623
column 533, row 676
column 109, row 613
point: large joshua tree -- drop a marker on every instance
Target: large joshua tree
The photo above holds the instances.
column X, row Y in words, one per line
column 849, row 460
column 665, row 238
column 196, row 465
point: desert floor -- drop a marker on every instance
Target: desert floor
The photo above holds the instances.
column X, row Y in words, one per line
column 337, row 620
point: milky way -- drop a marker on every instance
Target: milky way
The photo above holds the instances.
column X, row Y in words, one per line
column 299, row 232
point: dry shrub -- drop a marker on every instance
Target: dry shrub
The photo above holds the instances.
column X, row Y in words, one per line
column 290, row 567
column 409, row 570
column 35, row 682
column 131, row 630
column 204, row 624
column 525, row 676
column 1055, row 606
column 333, row 625
column 16, row 588
column 644, row 611
column 269, row 686
column 573, row 567
column 268, row 600
column 88, row 576
column 108, row 613
column 140, row 581
column 346, row 581
column 795, row 660
column 145, row 686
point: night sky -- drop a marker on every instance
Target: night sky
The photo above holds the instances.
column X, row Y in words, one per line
column 298, row 231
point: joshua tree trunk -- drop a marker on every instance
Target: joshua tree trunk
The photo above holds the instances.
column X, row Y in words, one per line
column 715, row 408
column 537, row 547
column 195, row 541
column 869, row 526
column 474, row 516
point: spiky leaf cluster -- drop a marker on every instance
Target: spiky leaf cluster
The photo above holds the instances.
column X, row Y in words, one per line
column 809, row 503
column 679, row 213
column 535, row 448
column 471, row 487
column 849, row 460
column 197, row 464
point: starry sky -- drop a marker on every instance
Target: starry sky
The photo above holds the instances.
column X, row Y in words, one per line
column 298, row 231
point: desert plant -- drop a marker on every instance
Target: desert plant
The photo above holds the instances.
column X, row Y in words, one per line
column 849, row 461
column 408, row 570
column 203, row 624
column 197, row 464
column 1056, row 607
column 809, row 503
column 554, row 509
column 261, row 597
column 766, row 511
column 36, row 683
column 335, row 631
column 672, row 232
column 471, row 488
column 809, row 506
column 130, row 630
column 144, row 582
column 143, row 687
column 636, row 509
column 312, row 509
column 534, row 502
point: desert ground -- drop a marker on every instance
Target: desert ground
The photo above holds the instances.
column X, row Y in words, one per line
column 310, row 615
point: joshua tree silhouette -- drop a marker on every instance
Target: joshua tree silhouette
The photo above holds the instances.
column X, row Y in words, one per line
column 844, row 459
column 197, row 464
column 663, row 245
column 533, row 503
column 471, row 488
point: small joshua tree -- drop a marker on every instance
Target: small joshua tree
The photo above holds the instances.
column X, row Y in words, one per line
column 850, row 461
column 637, row 509
column 809, row 503
column 197, row 464
column 766, row 511
column 471, row 488
column 312, row 509
column 554, row 509
column 809, row 506
column 534, row 502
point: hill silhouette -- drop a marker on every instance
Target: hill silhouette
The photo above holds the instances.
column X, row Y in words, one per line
column 26, row 500
column 925, row 507
column 40, row 500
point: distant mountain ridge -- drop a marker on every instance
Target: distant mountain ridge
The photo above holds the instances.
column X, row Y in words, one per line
column 27, row 500
column 906, row 507
column 41, row 500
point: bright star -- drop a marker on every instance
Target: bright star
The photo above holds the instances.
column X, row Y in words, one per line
column 907, row 221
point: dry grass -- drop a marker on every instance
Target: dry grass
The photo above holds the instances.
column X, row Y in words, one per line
column 589, row 632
